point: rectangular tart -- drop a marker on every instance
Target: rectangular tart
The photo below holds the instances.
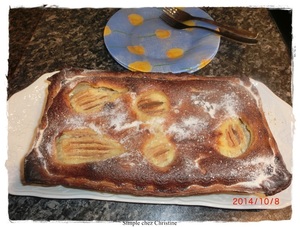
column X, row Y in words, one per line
column 152, row 134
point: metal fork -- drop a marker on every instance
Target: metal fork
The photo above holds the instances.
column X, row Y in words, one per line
column 178, row 25
column 182, row 16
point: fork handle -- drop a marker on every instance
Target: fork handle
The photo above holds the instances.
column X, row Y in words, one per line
column 227, row 34
column 240, row 32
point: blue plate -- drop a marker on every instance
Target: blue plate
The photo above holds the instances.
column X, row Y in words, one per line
column 140, row 41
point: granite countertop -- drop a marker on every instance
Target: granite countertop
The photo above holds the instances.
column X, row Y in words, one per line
column 49, row 39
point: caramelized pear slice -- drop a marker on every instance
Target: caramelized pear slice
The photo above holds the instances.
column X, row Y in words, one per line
column 85, row 98
column 85, row 145
column 151, row 104
column 233, row 138
column 159, row 151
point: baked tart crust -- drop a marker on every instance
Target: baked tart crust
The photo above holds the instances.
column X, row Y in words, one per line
column 154, row 134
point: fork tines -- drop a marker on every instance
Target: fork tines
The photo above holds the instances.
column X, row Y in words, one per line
column 172, row 22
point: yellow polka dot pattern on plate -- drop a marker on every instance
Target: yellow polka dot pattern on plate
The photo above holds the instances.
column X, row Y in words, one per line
column 107, row 31
column 140, row 41
column 174, row 53
column 204, row 62
column 162, row 33
column 142, row 66
column 190, row 23
column 135, row 19
column 139, row 50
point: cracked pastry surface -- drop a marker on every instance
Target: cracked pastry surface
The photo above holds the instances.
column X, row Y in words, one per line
column 154, row 134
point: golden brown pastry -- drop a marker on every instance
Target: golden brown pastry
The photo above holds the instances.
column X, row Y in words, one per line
column 154, row 134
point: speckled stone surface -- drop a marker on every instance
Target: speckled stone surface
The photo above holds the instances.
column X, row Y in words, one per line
column 49, row 39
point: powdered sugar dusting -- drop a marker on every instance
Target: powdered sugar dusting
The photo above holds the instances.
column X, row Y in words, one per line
column 95, row 128
column 227, row 103
column 261, row 159
column 134, row 124
column 118, row 117
column 75, row 122
column 38, row 141
column 188, row 128
column 259, row 176
column 118, row 121
column 190, row 166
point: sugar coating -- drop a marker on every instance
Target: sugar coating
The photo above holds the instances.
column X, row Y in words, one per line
column 186, row 125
